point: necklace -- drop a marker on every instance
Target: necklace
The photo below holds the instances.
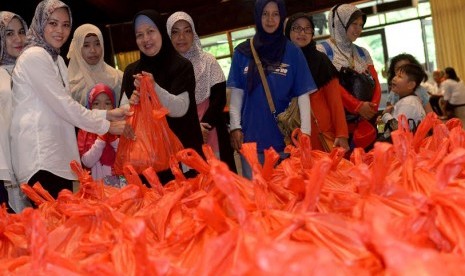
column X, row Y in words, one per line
column 351, row 60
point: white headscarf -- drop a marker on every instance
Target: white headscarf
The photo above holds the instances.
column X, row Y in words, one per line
column 82, row 76
column 207, row 70
column 338, row 20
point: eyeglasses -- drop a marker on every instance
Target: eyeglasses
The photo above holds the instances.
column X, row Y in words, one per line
column 298, row 29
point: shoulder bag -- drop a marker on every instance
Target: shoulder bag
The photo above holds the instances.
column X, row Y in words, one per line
column 359, row 85
column 289, row 119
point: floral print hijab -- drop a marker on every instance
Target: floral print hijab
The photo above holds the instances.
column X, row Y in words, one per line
column 339, row 19
column 35, row 35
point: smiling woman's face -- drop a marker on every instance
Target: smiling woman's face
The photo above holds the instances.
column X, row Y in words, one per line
column 270, row 17
column 182, row 36
column 58, row 28
column 15, row 37
column 148, row 39
column 300, row 32
column 355, row 29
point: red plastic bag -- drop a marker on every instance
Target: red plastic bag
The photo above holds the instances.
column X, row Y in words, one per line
column 155, row 142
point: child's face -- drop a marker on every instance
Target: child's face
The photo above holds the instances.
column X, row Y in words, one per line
column 103, row 102
column 401, row 84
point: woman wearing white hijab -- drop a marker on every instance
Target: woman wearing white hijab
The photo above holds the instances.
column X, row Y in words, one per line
column 210, row 86
column 86, row 65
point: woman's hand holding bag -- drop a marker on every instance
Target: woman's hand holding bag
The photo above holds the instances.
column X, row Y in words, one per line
column 155, row 142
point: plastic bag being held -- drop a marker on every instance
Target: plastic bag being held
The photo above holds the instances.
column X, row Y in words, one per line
column 155, row 142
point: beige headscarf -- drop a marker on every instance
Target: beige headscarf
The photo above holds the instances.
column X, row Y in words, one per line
column 82, row 76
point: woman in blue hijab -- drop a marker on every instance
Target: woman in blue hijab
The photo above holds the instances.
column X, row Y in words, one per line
column 287, row 74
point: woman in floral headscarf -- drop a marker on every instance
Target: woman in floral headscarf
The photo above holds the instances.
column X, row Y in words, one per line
column 12, row 39
column 43, row 139
column 86, row 66
column 346, row 23
column 210, row 86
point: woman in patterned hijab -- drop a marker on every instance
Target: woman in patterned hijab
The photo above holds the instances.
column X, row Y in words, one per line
column 346, row 23
column 12, row 39
column 210, row 86
column 35, row 36
column 43, row 137
column 5, row 19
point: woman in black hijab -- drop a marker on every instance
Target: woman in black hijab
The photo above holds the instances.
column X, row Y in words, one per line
column 174, row 80
column 326, row 104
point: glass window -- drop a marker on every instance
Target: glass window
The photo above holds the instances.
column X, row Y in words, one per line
column 382, row 19
column 216, row 45
column 225, row 64
column 321, row 24
column 241, row 35
column 373, row 42
column 431, row 63
column 219, row 50
column 213, row 40
column 372, row 21
column 399, row 15
column 221, row 46
column 424, row 9
column 405, row 37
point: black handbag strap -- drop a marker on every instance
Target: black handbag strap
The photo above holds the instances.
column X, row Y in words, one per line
column 263, row 77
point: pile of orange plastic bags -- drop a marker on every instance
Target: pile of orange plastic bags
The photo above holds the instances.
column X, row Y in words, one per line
column 396, row 210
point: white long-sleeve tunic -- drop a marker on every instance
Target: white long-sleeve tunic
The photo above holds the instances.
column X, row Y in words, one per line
column 6, row 170
column 44, row 116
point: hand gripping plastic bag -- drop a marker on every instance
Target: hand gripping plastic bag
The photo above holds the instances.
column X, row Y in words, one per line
column 155, row 142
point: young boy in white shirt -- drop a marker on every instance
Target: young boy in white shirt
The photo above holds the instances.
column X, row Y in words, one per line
column 408, row 78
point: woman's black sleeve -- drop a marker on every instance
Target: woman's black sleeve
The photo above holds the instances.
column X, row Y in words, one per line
column 217, row 103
